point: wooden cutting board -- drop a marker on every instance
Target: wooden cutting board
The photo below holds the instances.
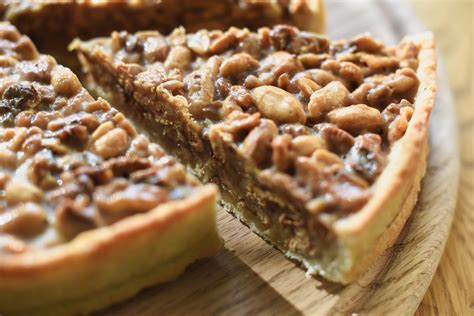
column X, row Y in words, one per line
column 250, row 277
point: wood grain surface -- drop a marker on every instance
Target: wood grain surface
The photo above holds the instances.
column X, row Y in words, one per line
column 250, row 277
column 452, row 289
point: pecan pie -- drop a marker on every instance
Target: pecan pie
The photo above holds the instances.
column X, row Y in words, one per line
column 318, row 146
column 90, row 211
column 53, row 24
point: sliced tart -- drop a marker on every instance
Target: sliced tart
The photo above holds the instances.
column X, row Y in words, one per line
column 318, row 146
column 53, row 24
column 90, row 211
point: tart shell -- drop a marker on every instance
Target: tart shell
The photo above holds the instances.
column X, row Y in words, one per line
column 107, row 265
column 361, row 237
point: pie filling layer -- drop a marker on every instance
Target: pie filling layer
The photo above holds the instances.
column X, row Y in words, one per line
column 69, row 163
column 295, row 128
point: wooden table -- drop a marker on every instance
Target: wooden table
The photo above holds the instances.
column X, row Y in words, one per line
column 452, row 289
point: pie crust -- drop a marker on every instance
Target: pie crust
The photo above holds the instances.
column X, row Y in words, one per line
column 229, row 107
column 116, row 216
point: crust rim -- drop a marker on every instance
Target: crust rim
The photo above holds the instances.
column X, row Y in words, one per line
column 106, row 248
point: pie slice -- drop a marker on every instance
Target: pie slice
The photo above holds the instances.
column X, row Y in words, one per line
column 53, row 24
column 90, row 211
column 317, row 145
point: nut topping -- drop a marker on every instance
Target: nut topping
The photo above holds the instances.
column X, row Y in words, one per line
column 305, row 145
column 120, row 196
column 112, row 144
column 27, row 219
column 64, row 82
column 357, row 119
column 278, row 105
column 178, row 57
column 332, row 96
column 237, row 65
column 20, row 191
column 258, row 142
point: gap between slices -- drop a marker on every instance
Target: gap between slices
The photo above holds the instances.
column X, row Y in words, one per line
column 295, row 129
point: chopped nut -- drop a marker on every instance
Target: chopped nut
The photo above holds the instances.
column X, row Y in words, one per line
column 279, row 63
column 26, row 48
column 199, row 42
column 257, row 144
column 332, row 96
column 178, row 57
column 230, row 105
column 4, row 178
column 200, row 86
column 27, row 219
column 278, row 105
column 337, row 139
column 367, row 43
column 305, row 145
column 127, row 126
column 312, row 60
column 307, row 86
column 366, row 156
column 280, row 146
column 97, row 105
column 72, row 218
column 357, row 118
column 376, row 62
column 359, row 95
column 55, row 145
column 316, row 206
column 406, row 113
column 237, row 65
column 90, row 121
column 8, row 159
column 352, row 72
column 103, row 129
column 65, row 82
column 223, row 42
column 321, row 77
column 112, row 144
column 403, row 81
column 119, row 196
column 155, row 48
column 327, row 157
column 331, row 65
column 238, row 121
column 396, row 117
column 22, row 191
column 139, row 146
